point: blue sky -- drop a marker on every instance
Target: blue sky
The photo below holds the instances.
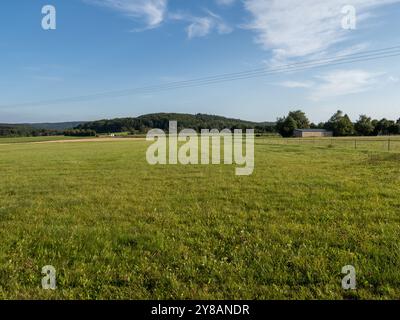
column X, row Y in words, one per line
column 107, row 45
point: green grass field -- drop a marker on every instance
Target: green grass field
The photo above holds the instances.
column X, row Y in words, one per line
column 358, row 143
column 116, row 228
column 37, row 139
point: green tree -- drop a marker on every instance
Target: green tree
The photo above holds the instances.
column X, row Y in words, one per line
column 340, row 124
column 394, row 128
column 384, row 127
column 295, row 120
column 364, row 126
column 301, row 119
column 286, row 126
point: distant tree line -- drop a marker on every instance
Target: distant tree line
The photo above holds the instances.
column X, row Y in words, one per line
column 80, row 133
column 25, row 131
column 340, row 124
column 197, row 122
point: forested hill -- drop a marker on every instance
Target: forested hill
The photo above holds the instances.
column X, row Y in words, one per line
column 55, row 126
column 161, row 120
column 22, row 129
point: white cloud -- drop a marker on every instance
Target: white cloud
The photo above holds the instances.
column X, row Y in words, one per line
column 202, row 26
column 151, row 11
column 154, row 12
column 199, row 28
column 357, row 48
column 297, row 84
column 393, row 79
column 344, row 82
column 293, row 29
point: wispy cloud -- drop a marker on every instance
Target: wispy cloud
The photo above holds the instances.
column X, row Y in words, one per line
column 151, row 11
column 201, row 26
column 295, row 29
column 154, row 12
column 297, row 84
column 357, row 48
column 344, row 82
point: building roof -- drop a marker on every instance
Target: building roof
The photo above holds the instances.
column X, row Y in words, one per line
column 311, row 130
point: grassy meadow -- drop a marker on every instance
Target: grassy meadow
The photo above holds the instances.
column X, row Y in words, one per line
column 37, row 139
column 115, row 227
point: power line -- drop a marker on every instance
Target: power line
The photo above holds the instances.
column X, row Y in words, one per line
column 227, row 77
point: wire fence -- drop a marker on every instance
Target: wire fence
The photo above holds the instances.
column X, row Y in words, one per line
column 389, row 144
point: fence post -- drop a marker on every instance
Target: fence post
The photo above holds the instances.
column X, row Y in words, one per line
column 389, row 144
column 355, row 144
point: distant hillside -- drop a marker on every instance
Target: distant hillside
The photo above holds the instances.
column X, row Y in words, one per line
column 9, row 130
column 135, row 125
column 36, row 129
column 161, row 121
column 55, row 126
column 46, row 126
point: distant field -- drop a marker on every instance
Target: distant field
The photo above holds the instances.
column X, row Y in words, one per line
column 381, row 143
column 36, row 139
column 115, row 227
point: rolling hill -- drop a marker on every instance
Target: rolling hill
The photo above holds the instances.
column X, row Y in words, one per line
column 161, row 121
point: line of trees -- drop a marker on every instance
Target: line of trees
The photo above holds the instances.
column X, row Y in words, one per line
column 197, row 122
column 79, row 133
column 340, row 124
column 25, row 131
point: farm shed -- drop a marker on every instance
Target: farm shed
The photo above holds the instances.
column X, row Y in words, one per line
column 312, row 133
